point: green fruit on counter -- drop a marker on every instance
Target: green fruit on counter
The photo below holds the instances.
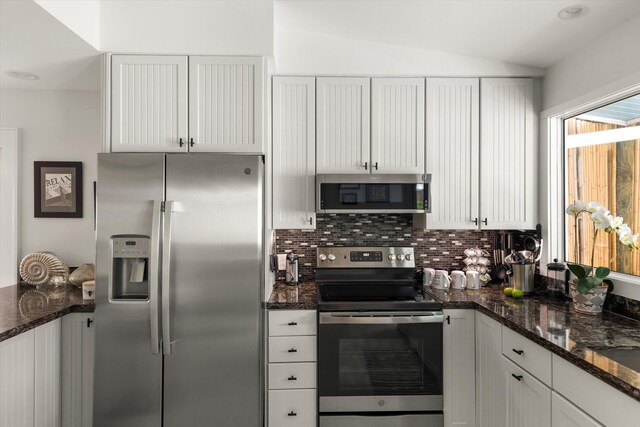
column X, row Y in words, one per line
column 517, row 294
column 508, row 291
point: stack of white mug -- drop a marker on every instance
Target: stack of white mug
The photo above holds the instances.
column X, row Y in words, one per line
column 440, row 279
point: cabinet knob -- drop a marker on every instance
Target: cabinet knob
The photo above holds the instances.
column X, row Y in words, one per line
column 292, row 323
column 475, row 221
column 518, row 377
column 518, row 352
column 292, row 414
column 191, row 142
column 376, row 165
column 292, row 350
column 485, row 221
column 292, row 378
column 366, row 165
column 180, row 142
column 310, row 220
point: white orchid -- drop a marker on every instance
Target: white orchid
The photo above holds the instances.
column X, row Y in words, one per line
column 616, row 222
column 593, row 207
column 576, row 208
column 601, row 220
column 624, row 229
column 626, row 239
column 636, row 240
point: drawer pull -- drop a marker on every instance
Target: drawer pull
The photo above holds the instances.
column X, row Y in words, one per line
column 518, row 352
column 292, row 414
column 292, row 378
column 292, row 350
column 518, row 377
column 292, row 323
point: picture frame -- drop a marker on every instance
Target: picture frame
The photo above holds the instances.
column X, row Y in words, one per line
column 57, row 189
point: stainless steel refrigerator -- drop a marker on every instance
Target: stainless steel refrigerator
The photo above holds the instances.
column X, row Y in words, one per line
column 179, row 290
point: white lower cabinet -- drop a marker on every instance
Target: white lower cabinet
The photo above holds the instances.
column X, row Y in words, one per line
column 490, row 387
column 528, row 401
column 566, row 414
column 30, row 378
column 292, row 396
column 459, row 369
column 78, row 342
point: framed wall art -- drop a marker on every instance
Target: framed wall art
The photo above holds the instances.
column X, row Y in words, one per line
column 57, row 189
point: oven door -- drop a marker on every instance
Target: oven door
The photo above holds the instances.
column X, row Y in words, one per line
column 380, row 361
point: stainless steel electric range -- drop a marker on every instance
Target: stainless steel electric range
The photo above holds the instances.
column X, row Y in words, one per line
column 379, row 340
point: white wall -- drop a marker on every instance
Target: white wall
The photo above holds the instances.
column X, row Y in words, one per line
column 61, row 126
column 82, row 17
column 221, row 27
column 610, row 58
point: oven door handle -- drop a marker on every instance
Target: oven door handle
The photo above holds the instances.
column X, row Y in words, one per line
column 380, row 319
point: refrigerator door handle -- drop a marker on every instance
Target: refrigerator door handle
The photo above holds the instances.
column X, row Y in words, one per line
column 166, row 275
column 154, row 279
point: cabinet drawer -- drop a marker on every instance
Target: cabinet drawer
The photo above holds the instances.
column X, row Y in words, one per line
column 292, row 375
column 565, row 414
column 292, row 349
column 292, row 322
column 527, row 354
column 292, row 408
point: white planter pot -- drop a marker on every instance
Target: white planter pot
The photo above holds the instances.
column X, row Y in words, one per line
column 591, row 302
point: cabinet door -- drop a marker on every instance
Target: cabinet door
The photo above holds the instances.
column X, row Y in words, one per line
column 490, row 386
column 397, row 123
column 148, row 103
column 225, row 104
column 452, row 152
column 528, row 401
column 343, row 125
column 17, row 381
column 78, row 341
column 459, row 369
column 566, row 414
column 48, row 374
column 508, row 155
column 294, row 152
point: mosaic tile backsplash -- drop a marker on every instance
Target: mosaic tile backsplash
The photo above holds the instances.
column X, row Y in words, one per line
column 434, row 248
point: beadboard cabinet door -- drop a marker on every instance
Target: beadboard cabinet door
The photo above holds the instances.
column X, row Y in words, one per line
column 47, row 390
column 78, row 342
column 508, row 154
column 149, row 103
column 225, row 104
column 490, row 385
column 17, row 380
column 459, row 368
column 453, row 152
column 294, row 152
column 397, row 125
column 343, row 113
column 566, row 414
column 528, row 401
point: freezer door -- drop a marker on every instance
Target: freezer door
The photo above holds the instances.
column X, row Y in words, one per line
column 212, row 375
column 128, row 377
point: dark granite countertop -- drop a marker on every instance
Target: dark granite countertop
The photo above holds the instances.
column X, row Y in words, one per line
column 24, row 307
column 578, row 338
column 302, row 296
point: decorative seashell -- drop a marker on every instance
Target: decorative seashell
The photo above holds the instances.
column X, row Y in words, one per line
column 82, row 274
column 43, row 268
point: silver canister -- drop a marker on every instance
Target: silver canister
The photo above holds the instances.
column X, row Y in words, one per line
column 523, row 277
column 292, row 275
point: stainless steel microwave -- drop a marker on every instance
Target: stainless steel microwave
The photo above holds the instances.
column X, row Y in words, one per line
column 354, row 193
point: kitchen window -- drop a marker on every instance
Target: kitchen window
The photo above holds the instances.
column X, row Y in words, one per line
column 602, row 164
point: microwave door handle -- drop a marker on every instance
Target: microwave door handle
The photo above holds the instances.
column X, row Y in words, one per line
column 154, row 279
column 166, row 278
column 359, row 319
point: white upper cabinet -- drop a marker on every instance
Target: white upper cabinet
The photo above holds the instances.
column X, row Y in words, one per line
column 293, row 152
column 397, row 123
column 225, row 104
column 452, row 152
column 508, row 154
column 149, row 103
column 343, row 110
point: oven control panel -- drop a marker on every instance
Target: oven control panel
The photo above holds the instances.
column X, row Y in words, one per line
column 365, row 257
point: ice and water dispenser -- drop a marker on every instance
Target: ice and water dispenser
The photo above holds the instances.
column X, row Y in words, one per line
column 130, row 268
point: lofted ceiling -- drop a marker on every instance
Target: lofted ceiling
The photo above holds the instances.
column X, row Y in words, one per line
column 31, row 40
column 525, row 32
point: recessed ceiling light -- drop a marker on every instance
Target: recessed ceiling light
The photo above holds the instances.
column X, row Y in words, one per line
column 22, row 75
column 573, row 12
